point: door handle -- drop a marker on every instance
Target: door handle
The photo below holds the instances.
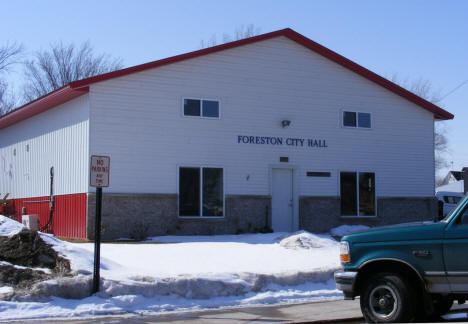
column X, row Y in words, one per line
column 422, row 253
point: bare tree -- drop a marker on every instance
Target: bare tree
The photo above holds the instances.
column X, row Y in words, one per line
column 239, row 33
column 421, row 87
column 8, row 100
column 61, row 64
column 440, row 146
column 10, row 54
column 424, row 89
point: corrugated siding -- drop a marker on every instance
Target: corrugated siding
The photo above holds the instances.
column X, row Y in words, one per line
column 137, row 120
column 69, row 217
column 58, row 138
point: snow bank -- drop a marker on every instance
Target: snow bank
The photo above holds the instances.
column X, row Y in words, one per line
column 347, row 229
column 196, row 268
column 185, row 286
column 137, row 305
column 9, row 227
column 215, row 255
column 205, row 287
column 306, row 240
column 81, row 260
column 196, row 272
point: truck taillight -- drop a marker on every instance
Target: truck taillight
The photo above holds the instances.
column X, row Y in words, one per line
column 344, row 252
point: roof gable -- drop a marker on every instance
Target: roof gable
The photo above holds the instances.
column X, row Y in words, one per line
column 80, row 87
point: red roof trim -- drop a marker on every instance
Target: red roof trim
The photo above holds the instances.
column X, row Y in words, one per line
column 80, row 87
column 41, row 104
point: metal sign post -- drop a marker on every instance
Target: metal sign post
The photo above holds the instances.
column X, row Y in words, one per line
column 98, row 177
column 97, row 240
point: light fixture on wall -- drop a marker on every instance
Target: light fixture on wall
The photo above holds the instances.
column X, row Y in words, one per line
column 285, row 123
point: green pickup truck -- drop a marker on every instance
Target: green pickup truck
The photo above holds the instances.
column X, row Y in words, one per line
column 407, row 272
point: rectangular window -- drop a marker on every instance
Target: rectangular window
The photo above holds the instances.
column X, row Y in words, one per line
column 357, row 191
column 205, row 191
column 356, row 119
column 201, row 108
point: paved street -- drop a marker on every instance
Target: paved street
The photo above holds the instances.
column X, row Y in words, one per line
column 341, row 311
column 302, row 313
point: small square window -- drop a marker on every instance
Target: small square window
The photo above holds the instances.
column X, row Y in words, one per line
column 192, row 107
column 349, row 118
column 201, row 108
column 357, row 119
column 210, row 108
column 364, row 120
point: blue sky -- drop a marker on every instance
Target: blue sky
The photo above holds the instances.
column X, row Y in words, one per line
column 413, row 39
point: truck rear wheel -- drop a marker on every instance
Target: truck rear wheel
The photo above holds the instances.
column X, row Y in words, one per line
column 387, row 298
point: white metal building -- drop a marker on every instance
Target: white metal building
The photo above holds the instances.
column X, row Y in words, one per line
column 270, row 131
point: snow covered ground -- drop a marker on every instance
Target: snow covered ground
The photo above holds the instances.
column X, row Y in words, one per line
column 177, row 273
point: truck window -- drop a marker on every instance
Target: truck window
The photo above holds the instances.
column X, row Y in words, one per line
column 456, row 209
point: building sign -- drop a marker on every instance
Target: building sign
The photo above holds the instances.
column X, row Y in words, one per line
column 99, row 171
column 281, row 141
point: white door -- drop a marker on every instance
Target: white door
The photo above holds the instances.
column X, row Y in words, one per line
column 282, row 200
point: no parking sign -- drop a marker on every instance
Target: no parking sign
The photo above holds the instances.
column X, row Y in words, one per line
column 99, row 171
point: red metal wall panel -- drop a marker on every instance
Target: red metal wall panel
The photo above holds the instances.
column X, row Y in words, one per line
column 69, row 218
